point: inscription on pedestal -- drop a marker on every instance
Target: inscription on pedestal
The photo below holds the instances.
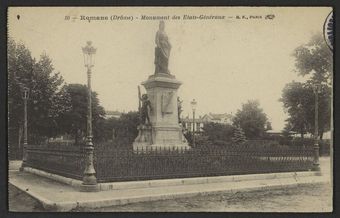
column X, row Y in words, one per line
column 166, row 103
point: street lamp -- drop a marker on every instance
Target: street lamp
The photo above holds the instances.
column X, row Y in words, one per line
column 89, row 178
column 25, row 96
column 193, row 106
column 316, row 165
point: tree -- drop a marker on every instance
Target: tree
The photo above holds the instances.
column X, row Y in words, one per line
column 73, row 121
column 44, row 94
column 239, row 136
column 324, row 109
column 251, row 119
column 286, row 135
column 20, row 67
column 43, row 82
column 218, row 134
column 296, row 98
column 316, row 59
column 269, row 126
column 125, row 128
column 299, row 102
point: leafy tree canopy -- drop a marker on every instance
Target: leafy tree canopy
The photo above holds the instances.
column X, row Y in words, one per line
column 315, row 58
column 251, row 119
column 44, row 84
column 299, row 102
column 73, row 121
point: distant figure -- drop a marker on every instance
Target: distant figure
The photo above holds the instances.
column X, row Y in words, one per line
column 146, row 106
column 162, row 50
column 179, row 106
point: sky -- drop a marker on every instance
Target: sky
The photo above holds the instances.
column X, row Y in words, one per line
column 222, row 63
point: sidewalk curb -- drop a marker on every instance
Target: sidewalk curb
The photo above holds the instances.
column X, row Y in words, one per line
column 47, row 204
column 170, row 182
column 123, row 201
column 113, row 201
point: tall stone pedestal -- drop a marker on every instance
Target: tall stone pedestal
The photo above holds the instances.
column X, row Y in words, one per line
column 165, row 129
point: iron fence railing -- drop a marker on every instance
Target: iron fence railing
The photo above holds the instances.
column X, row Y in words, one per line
column 123, row 165
column 112, row 164
column 14, row 153
column 67, row 161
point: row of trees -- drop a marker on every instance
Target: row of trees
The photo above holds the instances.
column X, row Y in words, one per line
column 53, row 107
column 313, row 60
column 43, row 82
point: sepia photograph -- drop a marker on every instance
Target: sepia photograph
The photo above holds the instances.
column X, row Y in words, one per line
column 170, row 109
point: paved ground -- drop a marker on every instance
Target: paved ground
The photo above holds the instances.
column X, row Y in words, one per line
column 307, row 198
column 304, row 198
column 19, row 201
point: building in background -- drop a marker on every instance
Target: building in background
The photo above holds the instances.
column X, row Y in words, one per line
column 111, row 114
column 225, row 118
column 188, row 125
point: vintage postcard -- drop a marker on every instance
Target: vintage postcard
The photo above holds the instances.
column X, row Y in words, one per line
column 170, row 109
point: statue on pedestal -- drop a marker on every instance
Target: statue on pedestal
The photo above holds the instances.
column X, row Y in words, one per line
column 144, row 137
column 162, row 50
column 160, row 104
column 180, row 110
column 145, row 109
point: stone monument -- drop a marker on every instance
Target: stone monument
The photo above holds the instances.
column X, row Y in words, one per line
column 159, row 126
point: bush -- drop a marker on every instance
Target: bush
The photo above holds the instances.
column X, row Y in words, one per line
column 118, row 143
column 283, row 140
column 301, row 142
column 188, row 137
column 218, row 132
column 239, row 136
column 260, row 144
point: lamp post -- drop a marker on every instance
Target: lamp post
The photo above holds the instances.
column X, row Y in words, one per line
column 193, row 106
column 89, row 178
column 25, row 96
column 316, row 165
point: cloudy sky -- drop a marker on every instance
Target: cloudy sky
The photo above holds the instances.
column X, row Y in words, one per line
column 222, row 63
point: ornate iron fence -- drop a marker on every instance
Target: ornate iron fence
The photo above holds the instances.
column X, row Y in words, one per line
column 112, row 164
column 63, row 160
column 124, row 165
column 14, row 153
